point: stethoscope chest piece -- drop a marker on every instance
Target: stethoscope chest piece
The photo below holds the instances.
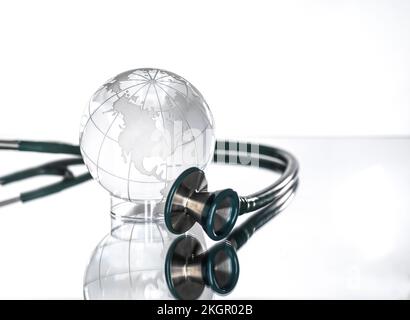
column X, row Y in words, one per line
column 177, row 218
column 189, row 201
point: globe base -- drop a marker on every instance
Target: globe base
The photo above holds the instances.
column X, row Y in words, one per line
column 123, row 211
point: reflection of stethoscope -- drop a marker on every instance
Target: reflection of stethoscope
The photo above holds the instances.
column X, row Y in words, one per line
column 188, row 269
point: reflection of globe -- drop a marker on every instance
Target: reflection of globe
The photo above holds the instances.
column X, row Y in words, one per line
column 142, row 129
column 129, row 263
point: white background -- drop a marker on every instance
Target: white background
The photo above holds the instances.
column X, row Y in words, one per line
column 266, row 68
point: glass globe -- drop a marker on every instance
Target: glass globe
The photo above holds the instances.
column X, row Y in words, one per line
column 142, row 129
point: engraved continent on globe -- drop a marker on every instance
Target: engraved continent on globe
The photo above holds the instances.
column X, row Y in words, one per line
column 143, row 128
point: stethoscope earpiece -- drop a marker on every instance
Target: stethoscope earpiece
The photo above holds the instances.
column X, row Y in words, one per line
column 188, row 269
column 189, row 201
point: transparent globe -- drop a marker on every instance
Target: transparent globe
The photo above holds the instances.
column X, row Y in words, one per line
column 140, row 130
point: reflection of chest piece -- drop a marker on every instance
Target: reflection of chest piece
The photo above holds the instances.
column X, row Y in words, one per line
column 189, row 269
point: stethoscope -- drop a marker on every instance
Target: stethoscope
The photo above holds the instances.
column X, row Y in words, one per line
column 188, row 268
column 189, row 201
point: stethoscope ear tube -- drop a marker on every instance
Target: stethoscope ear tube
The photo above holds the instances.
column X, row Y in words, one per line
column 40, row 146
column 268, row 157
column 57, row 168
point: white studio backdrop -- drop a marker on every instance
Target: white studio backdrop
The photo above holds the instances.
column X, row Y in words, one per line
column 266, row 68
